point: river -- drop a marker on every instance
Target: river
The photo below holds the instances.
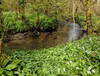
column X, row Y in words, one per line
column 63, row 34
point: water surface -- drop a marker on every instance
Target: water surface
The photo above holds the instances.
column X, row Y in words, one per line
column 62, row 35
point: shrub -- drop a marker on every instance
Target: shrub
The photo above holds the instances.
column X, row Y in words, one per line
column 15, row 24
column 95, row 23
column 47, row 22
column 12, row 23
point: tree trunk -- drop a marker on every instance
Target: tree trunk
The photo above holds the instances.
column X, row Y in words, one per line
column 88, row 17
column 1, row 43
column 23, row 10
column 73, row 20
column 21, row 7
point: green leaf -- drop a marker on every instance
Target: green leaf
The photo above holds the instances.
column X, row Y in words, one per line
column 1, row 71
column 11, row 66
column 9, row 73
column 5, row 62
column 17, row 61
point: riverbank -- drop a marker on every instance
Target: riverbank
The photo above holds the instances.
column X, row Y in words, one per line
column 81, row 57
column 41, row 40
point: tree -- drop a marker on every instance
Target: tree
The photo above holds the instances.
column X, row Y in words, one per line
column 21, row 4
column 2, row 28
column 73, row 20
column 88, row 16
column 1, row 43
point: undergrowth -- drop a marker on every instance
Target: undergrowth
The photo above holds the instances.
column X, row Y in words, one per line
column 78, row 58
column 95, row 23
column 14, row 22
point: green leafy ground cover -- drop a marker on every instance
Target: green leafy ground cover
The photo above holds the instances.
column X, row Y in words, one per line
column 14, row 23
column 78, row 58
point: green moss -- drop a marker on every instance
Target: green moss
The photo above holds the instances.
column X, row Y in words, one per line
column 76, row 58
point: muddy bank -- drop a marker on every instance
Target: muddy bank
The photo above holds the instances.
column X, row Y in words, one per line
column 10, row 37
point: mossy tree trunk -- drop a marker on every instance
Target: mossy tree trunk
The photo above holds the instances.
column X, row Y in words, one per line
column 88, row 17
column 1, row 41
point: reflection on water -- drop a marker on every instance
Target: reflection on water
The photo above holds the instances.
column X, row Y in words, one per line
column 75, row 33
column 45, row 40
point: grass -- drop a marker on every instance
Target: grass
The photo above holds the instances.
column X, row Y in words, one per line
column 78, row 58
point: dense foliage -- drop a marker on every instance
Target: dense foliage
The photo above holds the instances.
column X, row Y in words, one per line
column 78, row 58
column 15, row 24
column 95, row 23
column 24, row 15
column 32, row 14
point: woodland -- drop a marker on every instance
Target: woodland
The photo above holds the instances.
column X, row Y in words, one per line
column 49, row 37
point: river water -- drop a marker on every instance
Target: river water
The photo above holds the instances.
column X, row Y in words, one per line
column 63, row 34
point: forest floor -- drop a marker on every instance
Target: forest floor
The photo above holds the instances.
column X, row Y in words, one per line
column 78, row 58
